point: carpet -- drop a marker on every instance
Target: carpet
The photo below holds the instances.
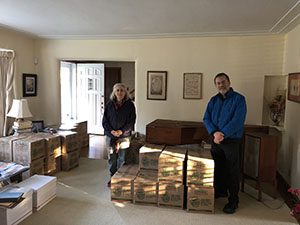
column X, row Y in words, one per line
column 84, row 199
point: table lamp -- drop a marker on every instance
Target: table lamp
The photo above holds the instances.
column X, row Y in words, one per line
column 20, row 110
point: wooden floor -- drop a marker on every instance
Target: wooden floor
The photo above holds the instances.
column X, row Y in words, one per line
column 97, row 148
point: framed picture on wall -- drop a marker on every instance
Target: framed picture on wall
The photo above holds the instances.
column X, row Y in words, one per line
column 157, row 85
column 29, row 84
column 294, row 87
column 192, row 85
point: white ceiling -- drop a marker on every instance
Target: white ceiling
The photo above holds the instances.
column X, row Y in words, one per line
column 110, row 19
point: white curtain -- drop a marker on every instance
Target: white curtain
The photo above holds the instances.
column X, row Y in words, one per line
column 6, row 88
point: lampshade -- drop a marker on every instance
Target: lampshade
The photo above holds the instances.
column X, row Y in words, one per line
column 19, row 109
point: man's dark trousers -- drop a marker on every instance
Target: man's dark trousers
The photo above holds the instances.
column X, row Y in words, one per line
column 227, row 172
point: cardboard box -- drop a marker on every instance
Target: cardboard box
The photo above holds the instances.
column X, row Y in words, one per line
column 6, row 146
column 82, row 126
column 69, row 141
column 200, row 199
column 58, row 161
column 49, row 165
column 171, row 195
column 68, row 127
column 84, row 140
column 199, row 158
column 53, row 143
column 35, row 167
column 122, row 184
column 201, row 177
column 145, row 187
column 129, row 169
column 148, row 156
column 70, row 160
column 12, row 216
column 172, row 165
column 44, row 189
column 28, row 149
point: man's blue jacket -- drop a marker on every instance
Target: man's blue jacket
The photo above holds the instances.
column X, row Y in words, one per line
column 226, row 115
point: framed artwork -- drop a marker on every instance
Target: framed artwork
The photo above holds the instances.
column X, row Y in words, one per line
column 157, row 85
column 192, row 85
column 294, row 87
column 29, row 84
column 38, row 125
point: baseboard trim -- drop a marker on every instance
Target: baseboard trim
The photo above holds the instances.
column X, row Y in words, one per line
column 282, row 188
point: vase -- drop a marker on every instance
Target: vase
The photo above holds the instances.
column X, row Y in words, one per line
column 275, row 117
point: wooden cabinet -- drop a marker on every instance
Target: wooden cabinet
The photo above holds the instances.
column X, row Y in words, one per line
column 174, row 132
column 260, row 158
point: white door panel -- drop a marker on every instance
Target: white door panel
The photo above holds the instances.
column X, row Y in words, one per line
column 90, row 95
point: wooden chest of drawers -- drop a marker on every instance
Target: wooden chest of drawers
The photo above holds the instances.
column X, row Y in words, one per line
column 173, row 132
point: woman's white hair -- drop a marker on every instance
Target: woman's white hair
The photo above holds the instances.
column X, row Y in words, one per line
column 113, row 96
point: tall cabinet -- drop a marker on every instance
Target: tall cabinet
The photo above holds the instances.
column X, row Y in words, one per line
column 260, row 158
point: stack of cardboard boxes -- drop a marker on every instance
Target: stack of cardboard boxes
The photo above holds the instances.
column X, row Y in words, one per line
column 200, row 177
column 172, row 176
column 146, row 183
column 30, row 151
column 52, row 158
column 122, row 183
column 6, row 146
column 80, row 127
column 46, row 153
column 69, row 150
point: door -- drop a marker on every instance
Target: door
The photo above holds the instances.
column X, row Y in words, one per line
column 112, row 76
column 90, row 95
column 68, row 91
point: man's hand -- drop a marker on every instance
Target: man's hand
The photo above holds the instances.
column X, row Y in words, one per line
column 218, row 137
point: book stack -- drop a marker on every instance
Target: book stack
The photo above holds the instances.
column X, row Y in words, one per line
column 10, row 199
column 22, row 126
column 19, row 207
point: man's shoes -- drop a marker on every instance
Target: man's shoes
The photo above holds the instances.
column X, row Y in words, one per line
column 108, row 184
column 221, row 195
column 230, row 208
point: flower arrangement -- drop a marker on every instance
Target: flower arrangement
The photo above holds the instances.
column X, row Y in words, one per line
column 296, row 194
column 277, row 106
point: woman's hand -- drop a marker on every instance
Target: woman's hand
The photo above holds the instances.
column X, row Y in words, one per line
column 116, row 133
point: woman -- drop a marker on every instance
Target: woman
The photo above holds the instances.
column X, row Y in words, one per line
column 118, row 122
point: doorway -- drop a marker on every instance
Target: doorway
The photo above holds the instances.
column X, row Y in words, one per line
column 82, row 94
column 86, row 87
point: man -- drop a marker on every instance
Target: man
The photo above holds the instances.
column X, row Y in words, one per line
column 224, row 120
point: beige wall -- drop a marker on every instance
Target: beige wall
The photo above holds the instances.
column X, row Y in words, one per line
column 23, row 46
column 292, row 124
column 245, row 59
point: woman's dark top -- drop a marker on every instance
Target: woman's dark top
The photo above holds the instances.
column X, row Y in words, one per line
column 119, row 118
